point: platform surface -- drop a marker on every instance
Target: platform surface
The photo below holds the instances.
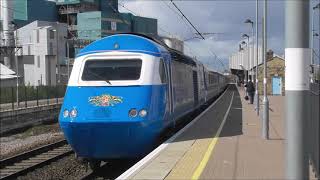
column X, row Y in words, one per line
column 224, row 143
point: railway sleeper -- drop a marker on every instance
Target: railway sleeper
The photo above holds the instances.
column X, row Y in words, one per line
column 25, row 164
column 54, row 153
column 4, row 174
column 63, row 149
column 39, row 159
column 8, row 171
column 44, row 155
column 32, row 161
column 12, row 167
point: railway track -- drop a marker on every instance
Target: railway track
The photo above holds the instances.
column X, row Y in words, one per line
column 20, row 164
column 109, row 170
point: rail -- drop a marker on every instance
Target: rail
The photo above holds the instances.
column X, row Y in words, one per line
column 20, row 164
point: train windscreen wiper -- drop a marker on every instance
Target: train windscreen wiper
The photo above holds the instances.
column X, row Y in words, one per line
column 100, row 77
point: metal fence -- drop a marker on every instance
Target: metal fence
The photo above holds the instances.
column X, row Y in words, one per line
column 314, row 127
column 29, row 96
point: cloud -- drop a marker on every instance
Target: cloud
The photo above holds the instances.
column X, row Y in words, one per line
column 223, row 17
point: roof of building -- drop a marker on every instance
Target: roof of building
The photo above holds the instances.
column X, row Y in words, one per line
column 6, row 73
column 4, row 70
column 278, row 56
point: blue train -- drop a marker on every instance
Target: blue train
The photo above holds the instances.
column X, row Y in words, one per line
column 125, row 90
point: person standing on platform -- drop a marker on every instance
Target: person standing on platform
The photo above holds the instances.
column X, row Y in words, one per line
column 250, row 90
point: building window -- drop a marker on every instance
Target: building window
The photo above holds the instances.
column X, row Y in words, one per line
column 50, row 48
column 38, row 63
column 29, row 50
column 51, row 34
column 113, row 26
column 38, row 36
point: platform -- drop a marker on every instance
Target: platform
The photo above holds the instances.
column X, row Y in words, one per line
column 224, row 142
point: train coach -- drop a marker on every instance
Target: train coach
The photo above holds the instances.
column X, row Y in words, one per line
column 125, row 90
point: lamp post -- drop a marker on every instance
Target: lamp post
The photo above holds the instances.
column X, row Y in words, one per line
column 312, row 56
column 248, row 21
column 313, row 34
column 243, row 66
column 257, row 60
column 16, row 62
column 248, row 53
column 265, row 117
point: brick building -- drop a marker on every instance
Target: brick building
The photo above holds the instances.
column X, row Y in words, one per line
column 275, row 75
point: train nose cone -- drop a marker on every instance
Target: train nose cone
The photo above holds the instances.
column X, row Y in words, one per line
column 108, row 140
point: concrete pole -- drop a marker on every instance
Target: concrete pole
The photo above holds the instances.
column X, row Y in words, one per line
column 265, row 117
column 257, row 59
column 298, row 54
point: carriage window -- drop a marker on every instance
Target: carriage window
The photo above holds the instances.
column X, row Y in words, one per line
column 104, row 70
column 162, row 72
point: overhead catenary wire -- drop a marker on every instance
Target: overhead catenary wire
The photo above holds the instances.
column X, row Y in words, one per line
column 201, row 35
column 179, row 15
column 136, row 14
column 191, row 50
column 174, row 4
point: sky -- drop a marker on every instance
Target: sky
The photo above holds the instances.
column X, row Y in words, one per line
column 224, row 17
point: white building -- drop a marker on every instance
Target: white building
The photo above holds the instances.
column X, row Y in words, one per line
column 43, row 49
column 245, row 59
column 8, row 78
column 174, row 43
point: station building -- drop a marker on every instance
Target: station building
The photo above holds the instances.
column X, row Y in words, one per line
column 242, row 64
column 275, row 75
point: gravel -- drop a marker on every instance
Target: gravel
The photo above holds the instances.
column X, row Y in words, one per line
column 67, row 168
column 30, row 139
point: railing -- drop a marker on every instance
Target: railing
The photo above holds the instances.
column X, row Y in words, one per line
column 314, row 127
column 77, row 8
column 30, row 96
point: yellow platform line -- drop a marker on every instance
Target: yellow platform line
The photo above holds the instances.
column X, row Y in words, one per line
column 197, row 173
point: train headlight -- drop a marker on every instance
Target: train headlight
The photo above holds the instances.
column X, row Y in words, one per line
column 65, row 113
column 143, row 113
column 73, row 113
column 133, row 113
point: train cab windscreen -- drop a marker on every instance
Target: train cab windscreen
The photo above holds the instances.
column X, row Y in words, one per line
column 107, row 70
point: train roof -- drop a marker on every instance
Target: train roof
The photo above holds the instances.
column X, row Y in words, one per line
column 148, row 44
column 175, row 54
column 119, row 42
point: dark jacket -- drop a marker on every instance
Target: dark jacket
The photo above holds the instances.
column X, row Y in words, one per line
column 250, row 87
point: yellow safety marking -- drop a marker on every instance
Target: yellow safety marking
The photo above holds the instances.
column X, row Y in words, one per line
column 196, row 175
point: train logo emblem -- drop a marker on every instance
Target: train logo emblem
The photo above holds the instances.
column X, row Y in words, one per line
column 105, row 100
